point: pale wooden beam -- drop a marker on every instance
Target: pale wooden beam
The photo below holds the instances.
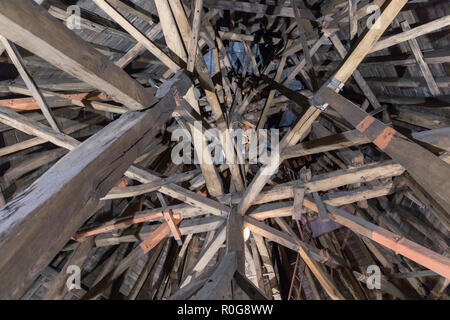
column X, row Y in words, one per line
column 269, row 101
column 138, row 35
column 217, row 287
column 411, row 34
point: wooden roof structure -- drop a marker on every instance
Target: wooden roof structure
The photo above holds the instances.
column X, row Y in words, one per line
column 353, row 202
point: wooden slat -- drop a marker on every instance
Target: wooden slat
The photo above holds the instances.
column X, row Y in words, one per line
column 299, row 194
column 170, row 220
column 26, row 77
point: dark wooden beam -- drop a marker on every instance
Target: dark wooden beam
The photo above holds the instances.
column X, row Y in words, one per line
column 432, row 173
column 36, row 225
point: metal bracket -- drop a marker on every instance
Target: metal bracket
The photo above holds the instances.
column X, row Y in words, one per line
column 333, row 84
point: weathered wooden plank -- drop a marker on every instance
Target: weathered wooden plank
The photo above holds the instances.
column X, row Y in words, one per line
column 37, row 224
column 26, row 77
column 190, row 226
column 38, row 141
column 299, row 194
column 426, row 72
column 329, row 143
column 235, row 238
column 218, row 285
column 423, row 256
column 411, row 34
column 272, row 234
column 427, row 169
column 305, row 251
column 58, row 288
column 368, row 39
column 138, row 35
column 30, row 26
column 320, row 206
column 439, row 137
column 126, row 192
column 249, row 288
column 193, row 43
column 268, row 104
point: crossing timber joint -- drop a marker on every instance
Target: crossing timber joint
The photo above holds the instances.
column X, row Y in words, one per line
column 333, row 84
